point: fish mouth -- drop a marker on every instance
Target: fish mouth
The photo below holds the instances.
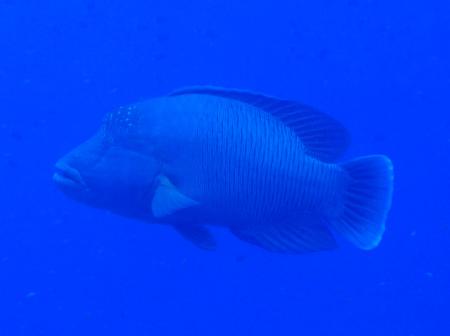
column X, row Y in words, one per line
column 68, row 177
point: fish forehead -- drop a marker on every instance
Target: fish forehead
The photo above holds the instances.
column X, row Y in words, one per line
column 138, row 117
column 121, row 121
column 173, row 110
column 183, row 118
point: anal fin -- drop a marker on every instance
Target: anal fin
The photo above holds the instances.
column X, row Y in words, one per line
column 298, row 235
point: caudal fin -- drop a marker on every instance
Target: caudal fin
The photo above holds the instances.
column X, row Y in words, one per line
column 367, row 200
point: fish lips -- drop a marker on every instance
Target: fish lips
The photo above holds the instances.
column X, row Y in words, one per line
column 69, row 179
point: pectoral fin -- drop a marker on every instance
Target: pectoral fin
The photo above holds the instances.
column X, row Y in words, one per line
column 198, row 235
column 168, row 199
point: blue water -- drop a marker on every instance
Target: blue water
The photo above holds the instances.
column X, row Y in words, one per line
column 380, row 67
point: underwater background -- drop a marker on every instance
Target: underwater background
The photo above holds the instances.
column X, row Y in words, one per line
column 380, row 67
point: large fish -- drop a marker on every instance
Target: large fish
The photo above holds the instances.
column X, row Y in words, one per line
column 262, row 167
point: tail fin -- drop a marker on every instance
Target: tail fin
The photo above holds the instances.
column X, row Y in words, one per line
column 367, row 200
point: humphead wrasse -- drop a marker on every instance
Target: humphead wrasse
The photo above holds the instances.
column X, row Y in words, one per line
column 262, row 167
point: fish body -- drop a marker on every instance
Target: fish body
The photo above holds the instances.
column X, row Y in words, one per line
column 263, row 167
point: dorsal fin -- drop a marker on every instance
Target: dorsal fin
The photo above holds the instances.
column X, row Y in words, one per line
column 324, row 137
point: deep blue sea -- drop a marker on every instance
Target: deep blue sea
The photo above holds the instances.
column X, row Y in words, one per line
column 380, row 67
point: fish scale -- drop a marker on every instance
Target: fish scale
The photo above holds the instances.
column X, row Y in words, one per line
column 253, row 158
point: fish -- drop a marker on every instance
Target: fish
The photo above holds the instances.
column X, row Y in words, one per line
column 266, row 169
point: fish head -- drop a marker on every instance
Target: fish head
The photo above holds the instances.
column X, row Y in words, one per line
column 109, row 172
